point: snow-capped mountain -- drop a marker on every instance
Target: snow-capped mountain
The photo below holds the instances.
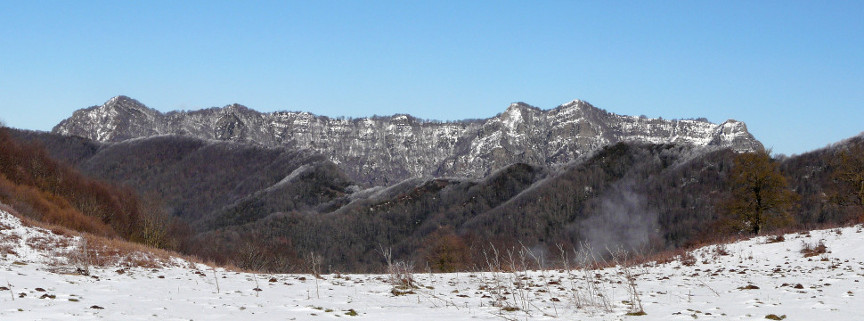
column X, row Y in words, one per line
column 382, row 150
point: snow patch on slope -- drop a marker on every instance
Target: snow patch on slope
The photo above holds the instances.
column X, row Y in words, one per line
column 291, row 177
column 28, row 244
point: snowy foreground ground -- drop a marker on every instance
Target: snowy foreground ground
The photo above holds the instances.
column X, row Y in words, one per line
column 748, row 280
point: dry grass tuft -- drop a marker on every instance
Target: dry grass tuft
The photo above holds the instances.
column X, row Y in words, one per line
column 103, row 252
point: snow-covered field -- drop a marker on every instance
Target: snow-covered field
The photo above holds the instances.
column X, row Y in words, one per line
column 748, row 280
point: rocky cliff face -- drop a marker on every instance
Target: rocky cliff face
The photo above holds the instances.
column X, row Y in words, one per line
column 384, row 150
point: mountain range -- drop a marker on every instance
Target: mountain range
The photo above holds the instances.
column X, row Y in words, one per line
column 387, row 150
column 264, row 191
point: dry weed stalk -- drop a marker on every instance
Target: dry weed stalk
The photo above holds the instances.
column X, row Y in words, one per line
column 313, row 262
column 594, row 294
column 494, row 264
column 540, row 266
column 215, row 278
column 622, row 260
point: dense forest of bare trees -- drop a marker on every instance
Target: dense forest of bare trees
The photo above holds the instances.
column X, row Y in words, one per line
column 267, row 209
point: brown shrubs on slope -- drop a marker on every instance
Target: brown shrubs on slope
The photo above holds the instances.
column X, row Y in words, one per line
column 49, row 191
column 48, row 208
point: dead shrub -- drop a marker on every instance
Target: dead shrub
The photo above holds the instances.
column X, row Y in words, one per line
column 749, row 287
column 7, row 249
column 687, row 259
column 809, row 249
column 665, row 257
column 721, row 250
column 401, row 276
column 399, row 272
column 776, row 239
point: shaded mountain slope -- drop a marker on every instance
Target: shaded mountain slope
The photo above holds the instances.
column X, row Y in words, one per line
column 195, row 178
column 640, row 196
column 270, row 208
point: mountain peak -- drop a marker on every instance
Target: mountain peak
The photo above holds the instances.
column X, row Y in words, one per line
column 122, row 99
column 123, row 103
column 734, row 133
column 236, row 106
column 520, row 107
column 119, row 118
column 574, row 102
column 119, row 98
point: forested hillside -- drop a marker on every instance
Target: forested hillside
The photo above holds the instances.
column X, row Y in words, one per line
column 273, row 209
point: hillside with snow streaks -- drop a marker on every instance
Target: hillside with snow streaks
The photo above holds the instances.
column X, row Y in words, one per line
column 385, row 150
column 752, row 279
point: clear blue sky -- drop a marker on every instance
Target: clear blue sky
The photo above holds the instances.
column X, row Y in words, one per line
column 794, row 71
